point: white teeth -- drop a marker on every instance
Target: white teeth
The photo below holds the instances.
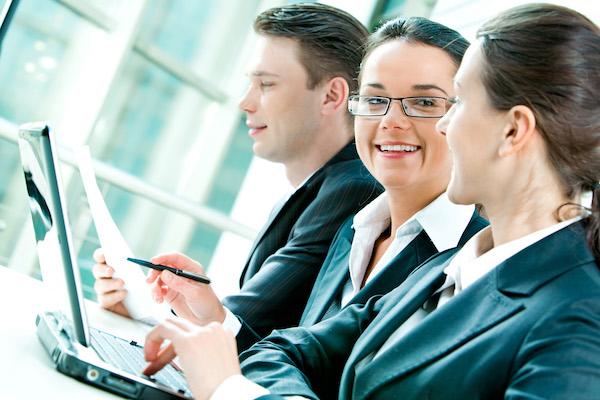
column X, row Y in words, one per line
column 397, row 147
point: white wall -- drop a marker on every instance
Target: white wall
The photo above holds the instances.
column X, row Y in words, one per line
column 467, row 15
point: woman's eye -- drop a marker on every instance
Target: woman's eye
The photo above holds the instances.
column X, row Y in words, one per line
column 266, row 84
column 425, row 102
column 375, row 101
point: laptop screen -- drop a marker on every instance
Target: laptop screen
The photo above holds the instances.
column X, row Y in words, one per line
column 51, row 228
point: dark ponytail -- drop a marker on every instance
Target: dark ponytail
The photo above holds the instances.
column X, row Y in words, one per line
column 547, row 58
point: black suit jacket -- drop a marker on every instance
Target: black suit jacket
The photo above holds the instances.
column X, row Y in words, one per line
column 288, row 253
column 529, row 329
column 334, row 274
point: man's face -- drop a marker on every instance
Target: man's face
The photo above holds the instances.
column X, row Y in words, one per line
column 282, row 114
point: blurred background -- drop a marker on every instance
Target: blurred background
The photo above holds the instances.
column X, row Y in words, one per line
column 152, row 87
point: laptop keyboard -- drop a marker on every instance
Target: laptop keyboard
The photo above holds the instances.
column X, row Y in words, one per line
column 129, row 356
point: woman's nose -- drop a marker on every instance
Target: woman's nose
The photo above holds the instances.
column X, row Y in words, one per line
column 395, row 118
column 442, row 124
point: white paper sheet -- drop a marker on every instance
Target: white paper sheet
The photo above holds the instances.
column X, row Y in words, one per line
column 139, row 300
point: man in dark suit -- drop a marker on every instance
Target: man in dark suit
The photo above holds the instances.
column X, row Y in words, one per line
column 306, row 65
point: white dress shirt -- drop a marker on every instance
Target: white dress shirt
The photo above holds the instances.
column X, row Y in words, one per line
column 443, row 221
column 476, row 258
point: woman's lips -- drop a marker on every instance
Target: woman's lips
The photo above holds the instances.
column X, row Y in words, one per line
column 397, row 150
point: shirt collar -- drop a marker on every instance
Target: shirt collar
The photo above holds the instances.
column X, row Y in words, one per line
column 443, row 221
column 376, row 211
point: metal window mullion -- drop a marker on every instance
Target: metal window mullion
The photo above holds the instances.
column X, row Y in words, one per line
column 90, row 13
column 179, row 70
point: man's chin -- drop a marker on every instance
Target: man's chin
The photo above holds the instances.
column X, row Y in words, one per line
column 261, row 151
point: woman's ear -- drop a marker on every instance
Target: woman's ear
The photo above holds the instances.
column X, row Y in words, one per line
column 519, row 131
column 336, row 92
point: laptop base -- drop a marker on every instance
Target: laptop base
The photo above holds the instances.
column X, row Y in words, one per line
column 82, row 363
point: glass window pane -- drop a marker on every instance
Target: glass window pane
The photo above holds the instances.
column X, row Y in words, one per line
column 36, row 58
column 150, row 124
column 205, row 35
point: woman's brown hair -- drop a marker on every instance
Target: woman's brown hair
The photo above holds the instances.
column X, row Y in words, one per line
column 547, row 57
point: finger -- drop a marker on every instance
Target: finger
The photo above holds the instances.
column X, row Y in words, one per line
column 184, row 286
column 158, row 291
column 107, row 285
column 152, row 275
column 101, row 271
column 178, row 260
column 99, row 256
column 164, row 357
column 166, row 330
column 107, row 300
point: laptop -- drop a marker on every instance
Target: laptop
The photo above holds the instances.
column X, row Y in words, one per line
column 78, row 350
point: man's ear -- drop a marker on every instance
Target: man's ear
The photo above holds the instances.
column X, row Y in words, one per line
column 336, row 92
column 519, row 130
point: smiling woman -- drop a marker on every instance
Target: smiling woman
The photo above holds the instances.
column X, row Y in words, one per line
column 401, row 147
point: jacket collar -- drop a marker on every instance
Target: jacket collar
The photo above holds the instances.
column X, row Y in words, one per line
column 529, row 269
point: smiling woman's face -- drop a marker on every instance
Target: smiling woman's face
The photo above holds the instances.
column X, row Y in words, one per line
column 404, row 152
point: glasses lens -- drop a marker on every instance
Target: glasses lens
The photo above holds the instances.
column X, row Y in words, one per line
column 428, row 107
column 368, row 105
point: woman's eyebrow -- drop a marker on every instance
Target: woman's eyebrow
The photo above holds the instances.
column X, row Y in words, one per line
column 375, row 85
column 428, row 86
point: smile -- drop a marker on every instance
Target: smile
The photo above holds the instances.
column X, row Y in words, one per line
column 386, row 148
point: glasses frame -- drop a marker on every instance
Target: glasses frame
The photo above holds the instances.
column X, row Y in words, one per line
column 448, row 101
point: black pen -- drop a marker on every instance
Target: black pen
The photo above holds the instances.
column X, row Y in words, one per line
column 176, row 271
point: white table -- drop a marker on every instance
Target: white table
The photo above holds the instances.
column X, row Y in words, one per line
column 26, row 371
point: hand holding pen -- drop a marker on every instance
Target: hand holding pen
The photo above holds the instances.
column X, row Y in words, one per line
column 187, row 296
column 159, row 267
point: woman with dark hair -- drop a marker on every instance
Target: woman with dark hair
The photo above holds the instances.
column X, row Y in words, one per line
column 516, row 312
column 413, row 219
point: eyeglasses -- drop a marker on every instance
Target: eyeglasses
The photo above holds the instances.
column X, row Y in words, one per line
column 420, row 107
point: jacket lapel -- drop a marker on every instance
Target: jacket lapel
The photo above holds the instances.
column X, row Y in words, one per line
column 478, row 309
column 331, row 283
column 398, row 306
column 274, row 219
column 288, row 212
column 393, row 274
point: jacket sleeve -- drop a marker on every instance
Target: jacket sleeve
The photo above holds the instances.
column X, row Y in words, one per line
column 276, row 295
column 308, row 362
column 560, row 357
